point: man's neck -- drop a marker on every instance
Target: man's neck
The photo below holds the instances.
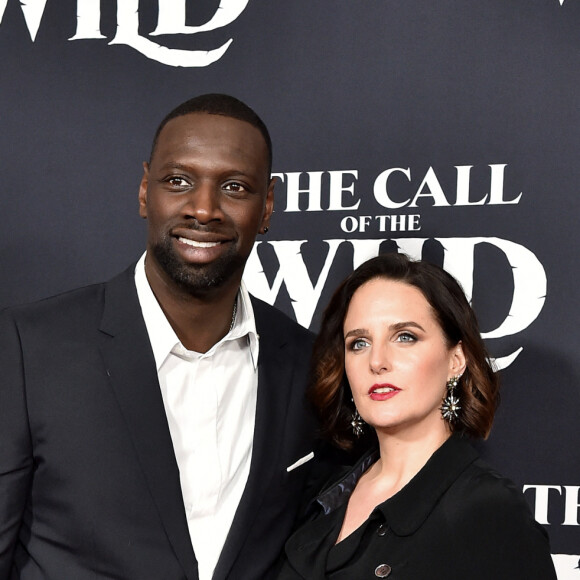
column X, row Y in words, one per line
column 198, row 321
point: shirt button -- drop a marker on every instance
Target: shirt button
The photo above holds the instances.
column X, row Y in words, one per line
column 382, row 570
column 382, row 530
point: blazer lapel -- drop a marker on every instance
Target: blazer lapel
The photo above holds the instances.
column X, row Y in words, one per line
column 133, row 376
column 274, row 379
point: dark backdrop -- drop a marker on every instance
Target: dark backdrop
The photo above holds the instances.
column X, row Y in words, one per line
column 448, row 130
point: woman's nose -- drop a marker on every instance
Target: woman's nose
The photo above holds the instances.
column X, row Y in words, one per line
column 379, row 359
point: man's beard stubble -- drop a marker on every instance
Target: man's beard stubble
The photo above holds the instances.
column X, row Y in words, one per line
column 197, row 279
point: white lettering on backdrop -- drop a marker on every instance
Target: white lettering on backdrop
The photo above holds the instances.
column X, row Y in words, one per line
column 171, row 20
column 529, row 276
column 393, row 189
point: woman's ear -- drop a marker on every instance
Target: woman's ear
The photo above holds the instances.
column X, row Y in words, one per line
column 457, row 362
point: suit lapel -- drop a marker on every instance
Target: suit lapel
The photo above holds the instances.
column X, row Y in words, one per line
column 133, row 376
column 274, row 381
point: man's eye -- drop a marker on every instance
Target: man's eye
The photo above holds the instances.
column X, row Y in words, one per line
column 177, row 181
column 234, row 187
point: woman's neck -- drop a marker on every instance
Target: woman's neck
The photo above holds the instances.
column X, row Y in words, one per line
column 403, row 455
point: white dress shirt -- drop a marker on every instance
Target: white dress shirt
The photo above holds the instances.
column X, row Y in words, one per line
column 210, row 402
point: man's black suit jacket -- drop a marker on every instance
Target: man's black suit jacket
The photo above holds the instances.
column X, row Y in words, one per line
column 89, row 484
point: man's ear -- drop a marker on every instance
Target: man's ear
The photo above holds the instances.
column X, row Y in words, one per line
column 269, row 205
column 143, row 191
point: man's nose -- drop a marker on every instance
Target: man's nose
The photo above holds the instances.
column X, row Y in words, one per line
column 204, row 203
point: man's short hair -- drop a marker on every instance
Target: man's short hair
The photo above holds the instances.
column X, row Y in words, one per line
column 218, row 104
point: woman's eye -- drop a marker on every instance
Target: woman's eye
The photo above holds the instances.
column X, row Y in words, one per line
column 358, row 344
column 406, row 337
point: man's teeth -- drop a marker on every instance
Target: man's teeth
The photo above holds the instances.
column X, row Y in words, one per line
column 384, row 390
column 198, row 244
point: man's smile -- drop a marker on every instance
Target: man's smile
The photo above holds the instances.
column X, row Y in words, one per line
column 197, row 244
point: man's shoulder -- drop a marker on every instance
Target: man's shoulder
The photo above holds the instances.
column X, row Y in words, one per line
column 269, row 316
column 82, row 302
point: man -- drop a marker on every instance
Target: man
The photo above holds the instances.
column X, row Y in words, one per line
column 154, row 426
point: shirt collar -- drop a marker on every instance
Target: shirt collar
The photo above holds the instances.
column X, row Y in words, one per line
column 340, row 491
column 162, row 336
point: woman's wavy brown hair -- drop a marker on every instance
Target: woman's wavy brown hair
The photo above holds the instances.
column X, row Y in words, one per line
column 478, row 388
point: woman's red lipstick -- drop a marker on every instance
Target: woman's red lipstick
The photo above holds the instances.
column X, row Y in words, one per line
column 383, row 392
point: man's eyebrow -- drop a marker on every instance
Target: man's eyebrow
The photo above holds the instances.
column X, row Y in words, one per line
column 230, row 171
column 175, row 165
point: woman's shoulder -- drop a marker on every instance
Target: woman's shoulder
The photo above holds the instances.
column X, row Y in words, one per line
column 483, row 487
column 487, row 519
column 483, row 498
column 483, row 504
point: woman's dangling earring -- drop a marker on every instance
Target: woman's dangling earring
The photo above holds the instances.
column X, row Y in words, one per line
column 357, row 423
column 450, row 407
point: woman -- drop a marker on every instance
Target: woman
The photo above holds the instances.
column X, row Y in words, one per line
column 420, row 503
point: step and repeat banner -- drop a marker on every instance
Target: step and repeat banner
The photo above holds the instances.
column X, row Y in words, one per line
column 447, row 130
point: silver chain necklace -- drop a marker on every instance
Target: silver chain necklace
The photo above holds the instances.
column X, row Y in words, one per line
column 234, row 315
